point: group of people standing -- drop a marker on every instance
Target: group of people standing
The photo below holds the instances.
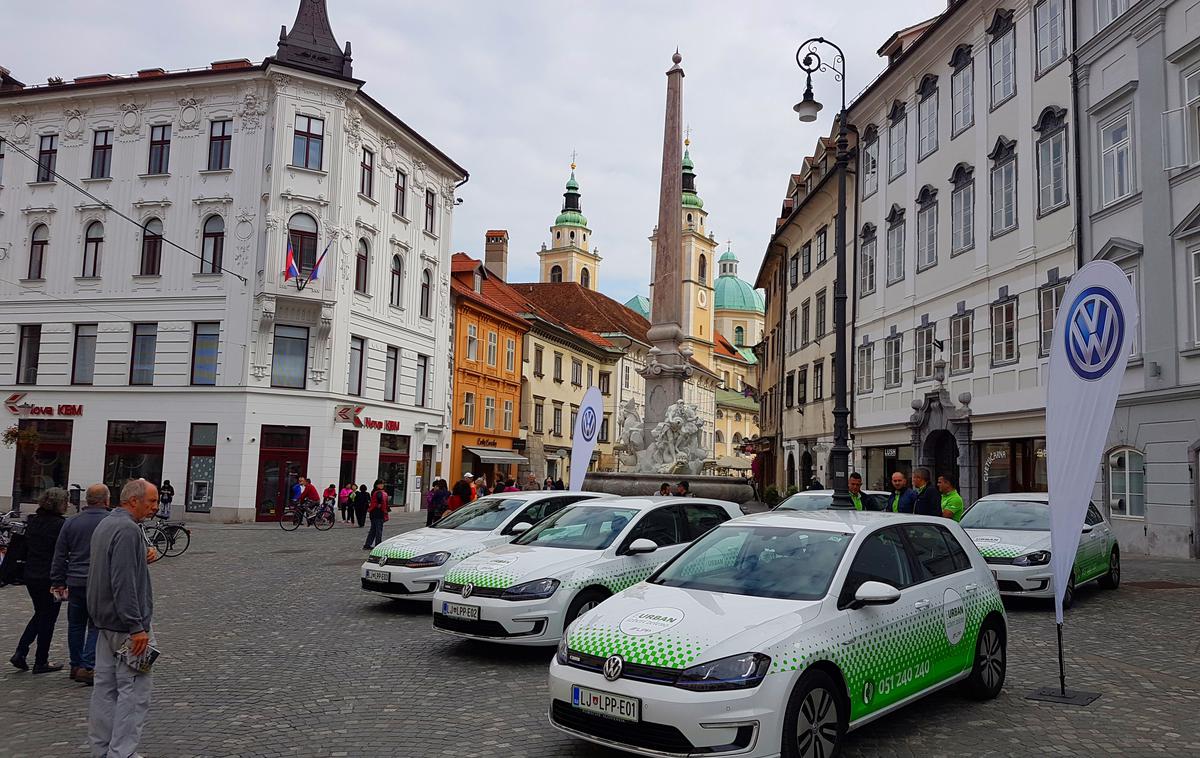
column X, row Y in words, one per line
column 941, row 499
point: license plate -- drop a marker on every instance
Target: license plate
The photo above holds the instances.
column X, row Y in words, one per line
column 378, row 576
column 460, row 611
column 606, row 703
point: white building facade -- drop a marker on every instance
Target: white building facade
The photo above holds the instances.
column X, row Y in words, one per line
column 122, row 355
column 964, row 242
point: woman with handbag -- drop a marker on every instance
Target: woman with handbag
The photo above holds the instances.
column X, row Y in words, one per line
column 41, row 535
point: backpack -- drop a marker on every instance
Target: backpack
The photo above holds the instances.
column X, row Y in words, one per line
column 12, row 570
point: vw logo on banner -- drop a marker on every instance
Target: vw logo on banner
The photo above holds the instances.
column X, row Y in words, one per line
column 585, row 435
column 588, row 427
column 1095, row 333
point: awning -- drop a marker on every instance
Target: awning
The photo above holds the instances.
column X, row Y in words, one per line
column 732, row 462
column 490, row 455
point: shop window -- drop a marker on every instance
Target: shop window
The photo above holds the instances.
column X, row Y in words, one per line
column 349, row 456
column 393, row 467
column 289, row 359
column 1127, row 483
column 133, row 450
column 202, row 467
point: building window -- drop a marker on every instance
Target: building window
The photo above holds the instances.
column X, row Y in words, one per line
column 866, row 363
column 558, row 365
column 362, row 257
column 152, row 237
column 1004, row 60
column 1051, row 34
column 1, row 163
column 489, row 413
column 793, row 333
column 220, row 144
column 289, row 359
column 145, row 343
column 789, row 390
column 625, row 378
column 93, row 246
column 962, row 210
column 539, row 418
column 492, row 343
column 1196, row 295
column 83, row 357
column 897, row 141
column 805, row 311
column 366, row 176
column 302, row 236
column 891, row 361
column 870, row 166
column 206, row 341
column 1049, row 300
column 510, row 356
column 927, row 230
column 702, row 268
column 430, row 206
column 794, row 269
column 1004, row 332
column 866, row 261
column 1107, row 11
column 802, row 386
column 557, row 428
column 308, row 142
column 895, row 245
column 1004, row 187
column 508, row 416
column 820, row 314
column 1052, row 159
column 134, row 450
column 472, row 342
column 214, row 244
column 923, row 359
column 589, row 376
column 391, row 373
column 961, row 356
column 426, row 294
column 556, row 274
column 806, row 259
column 1127, row 483
column 1116, row 160
column 1131, row 275
column 739, row 336
column 605, row 383
column 538, row 355
column 39, row 242
column 468, row 418
column 102, row 154
column 28, row 353
column 962, row 91
column 818, row 381
column 160, row 149
column 604, row 424
column 576, row 373
column 822, row 245
column 927, row 117
column 585, row 277
column 401, row 201
column 422, row 380
column 47, row 157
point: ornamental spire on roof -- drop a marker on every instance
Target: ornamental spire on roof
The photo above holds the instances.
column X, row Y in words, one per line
column 311, row 45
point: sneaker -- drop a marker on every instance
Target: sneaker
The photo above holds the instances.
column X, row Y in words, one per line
column 19, row 662
column 47, row 668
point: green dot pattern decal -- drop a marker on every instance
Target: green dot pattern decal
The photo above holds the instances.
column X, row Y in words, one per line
column 394, row 553
column 1000, row 550
column 614, row 578
column 404, row 553
column 481, row 578
column 665, row 650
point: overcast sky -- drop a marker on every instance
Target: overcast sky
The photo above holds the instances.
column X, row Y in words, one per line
column 510, row 89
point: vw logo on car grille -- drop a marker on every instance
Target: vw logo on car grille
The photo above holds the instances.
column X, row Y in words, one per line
column 383, row 560
column 467, row 590
column 613, row 668
column 588, row 427
column 1095, row 333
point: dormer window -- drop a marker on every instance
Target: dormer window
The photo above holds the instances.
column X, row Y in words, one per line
column 478, row 282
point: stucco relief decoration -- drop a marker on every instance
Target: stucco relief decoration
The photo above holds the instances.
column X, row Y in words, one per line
column 448, row 194
column 388, row 153
column 245, row 224
column 419, row 169
column 281, row 82
column 21, row 130
column 271, row 222
column 266, row 326
column 353, row 130
column 73, row 127
column 189, row 114
column 3, row 251
column 251, row 111
column 242, row 257
column 131, row 119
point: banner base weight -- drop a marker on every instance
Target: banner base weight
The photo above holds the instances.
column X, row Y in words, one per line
column 1055, row 695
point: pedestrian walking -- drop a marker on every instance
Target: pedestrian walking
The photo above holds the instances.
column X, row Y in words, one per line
column 481, row 486
column 531, row 484
column 41, row 535
column 344, row 502
column 166, row 494
column 121, row 604
column 460, row 496
column 378, row 511
column 362, row 501
column 439, row 496
column 548, row 484
column 68, row 580
column 510, row 485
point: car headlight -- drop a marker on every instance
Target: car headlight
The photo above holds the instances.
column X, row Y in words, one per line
column 428, row 560
column 737, row 672
column 561, row 654
column 1036, row 558
column 538, row 589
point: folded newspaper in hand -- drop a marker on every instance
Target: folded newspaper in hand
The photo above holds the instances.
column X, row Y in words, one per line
column 140, row 664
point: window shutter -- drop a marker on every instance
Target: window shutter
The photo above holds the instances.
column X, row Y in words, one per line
column 1175, row 139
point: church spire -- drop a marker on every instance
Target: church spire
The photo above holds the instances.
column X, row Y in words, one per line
column 311, row 45
column 690, row 198
column 572, row 211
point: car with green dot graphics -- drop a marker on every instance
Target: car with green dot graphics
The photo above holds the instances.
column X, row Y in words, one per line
column 1012, row 533
column 775, row 634
column 410, row 565
column 528, row 591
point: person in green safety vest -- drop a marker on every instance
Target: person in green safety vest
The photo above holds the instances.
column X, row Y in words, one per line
column 856, row 490
column 952, row 502
column 903, row 498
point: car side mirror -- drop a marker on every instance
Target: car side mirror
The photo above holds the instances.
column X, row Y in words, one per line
column 874, row 593
column 520, row 527
column 1087, row 528
column 640, row 546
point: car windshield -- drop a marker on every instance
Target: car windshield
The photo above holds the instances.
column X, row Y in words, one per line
column 483, row 515
column 586, row 527
column 1017, row 515
column 760, row 561
column 819, row 501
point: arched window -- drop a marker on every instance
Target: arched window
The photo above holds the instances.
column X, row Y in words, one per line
column 362, row 258
column 397, row 288
column 38, row 244
column 302, row 234
column 737, row 438
column 739, row 336
column 93, row 244
column 1127, row 483
column 585, row 278
column 152, row 248
column 720, row 414
column 556, row 273
column 703, row 267
column 718, row 437
column 426, row 293
column 214, row 245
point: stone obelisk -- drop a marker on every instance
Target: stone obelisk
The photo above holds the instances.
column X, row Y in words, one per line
column 668, row 368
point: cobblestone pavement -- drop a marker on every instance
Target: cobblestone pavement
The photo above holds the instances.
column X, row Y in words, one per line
column 270, row 649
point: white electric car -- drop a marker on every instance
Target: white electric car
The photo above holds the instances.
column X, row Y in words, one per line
column 410, row 565
column 775, row 634
column 819, row 500
column 1013, row 533
column 526, row 592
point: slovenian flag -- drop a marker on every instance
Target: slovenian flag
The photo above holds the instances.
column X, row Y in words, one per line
column 316, row 272
column 290, row 272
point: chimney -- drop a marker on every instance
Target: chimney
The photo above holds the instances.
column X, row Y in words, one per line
column 495, row 253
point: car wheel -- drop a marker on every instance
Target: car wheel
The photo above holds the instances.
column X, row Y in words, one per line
column 583, row 602
column 815, row 721
column 1112, row 579
column 991, row 662
column 1069, row 595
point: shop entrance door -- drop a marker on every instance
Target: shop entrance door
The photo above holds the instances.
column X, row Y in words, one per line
column 282, row 458
column 941, row 454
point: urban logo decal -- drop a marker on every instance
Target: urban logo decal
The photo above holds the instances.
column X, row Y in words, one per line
column 953, row 616
column 650, row 621
column 588, row 427
column 1095, row 333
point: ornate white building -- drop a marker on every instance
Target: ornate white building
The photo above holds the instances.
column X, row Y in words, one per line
column 124, row 355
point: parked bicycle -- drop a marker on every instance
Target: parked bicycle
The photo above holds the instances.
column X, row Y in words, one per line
column 319, row 515
column 171, row 538
column 153, row 536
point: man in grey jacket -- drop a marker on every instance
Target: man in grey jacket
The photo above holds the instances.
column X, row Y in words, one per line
column 68, row 579
column 121, row 605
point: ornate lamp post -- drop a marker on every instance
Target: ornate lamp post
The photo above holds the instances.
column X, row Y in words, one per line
column 809, row 60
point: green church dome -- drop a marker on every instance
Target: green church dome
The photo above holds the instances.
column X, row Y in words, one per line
column 690, row 198
column 727, row 257
column 572, row 211
column 571, row 218
column 734, row 294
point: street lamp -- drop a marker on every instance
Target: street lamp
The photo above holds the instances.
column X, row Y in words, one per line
column 809, row 60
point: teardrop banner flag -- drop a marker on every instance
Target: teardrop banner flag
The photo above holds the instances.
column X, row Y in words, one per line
column 583, row 437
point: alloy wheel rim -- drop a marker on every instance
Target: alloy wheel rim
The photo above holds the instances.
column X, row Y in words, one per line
column 991, row 658
column 817, row 724
column 1114, row 567
column 586, row 607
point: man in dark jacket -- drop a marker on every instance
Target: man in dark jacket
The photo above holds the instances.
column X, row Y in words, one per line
column 929, row 500
column 362, row 501
column 378, row 511
column 41, row 534
column 68, row 576
column 903, row 498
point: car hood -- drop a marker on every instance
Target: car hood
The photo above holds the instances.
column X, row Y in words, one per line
column 427, row 540
column 1008, row 543
column 676, row 628
column 508, row 565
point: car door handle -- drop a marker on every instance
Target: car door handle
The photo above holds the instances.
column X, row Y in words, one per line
column 921, row 605
column 971, row 587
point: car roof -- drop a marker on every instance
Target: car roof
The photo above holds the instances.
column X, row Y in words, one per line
column 833, row 520
column 830, row 492
column 1031, row 497
column 646, row 502
column 535, row 495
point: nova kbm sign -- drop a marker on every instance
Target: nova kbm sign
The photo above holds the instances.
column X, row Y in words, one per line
column 25, row 409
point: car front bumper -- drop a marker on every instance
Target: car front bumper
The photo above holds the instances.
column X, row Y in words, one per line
column 513, row 622
column 417, row 584
column 1023, row 581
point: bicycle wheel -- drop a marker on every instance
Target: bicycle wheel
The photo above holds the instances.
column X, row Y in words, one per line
column 178, row 539
column 290, row 518
column 158, row 540
column 323, row 520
